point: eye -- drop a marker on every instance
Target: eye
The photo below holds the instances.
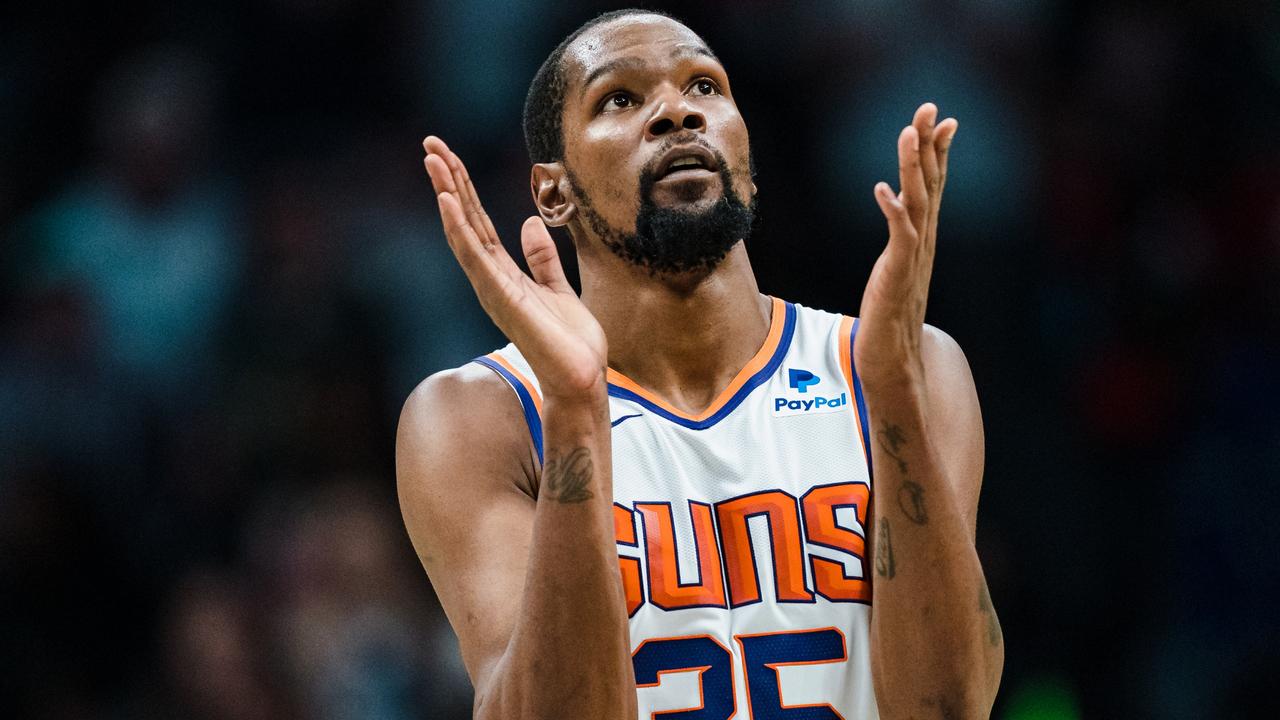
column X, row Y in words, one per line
column 704, row 86
column 617, row 101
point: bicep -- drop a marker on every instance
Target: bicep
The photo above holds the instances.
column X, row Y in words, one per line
column 955, row 419
column 457, row 469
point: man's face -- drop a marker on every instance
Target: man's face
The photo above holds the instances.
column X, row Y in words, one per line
column 654, row 144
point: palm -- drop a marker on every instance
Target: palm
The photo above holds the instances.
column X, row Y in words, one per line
column 542, row 315
column 549, row 321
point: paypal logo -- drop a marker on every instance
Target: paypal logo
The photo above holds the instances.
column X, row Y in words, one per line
column 820, row 404
column 811, row 402
column 801, row 379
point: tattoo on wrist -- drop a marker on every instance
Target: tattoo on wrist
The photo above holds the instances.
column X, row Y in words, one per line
column 911, row 502
column 885, row 565
column 567, row 478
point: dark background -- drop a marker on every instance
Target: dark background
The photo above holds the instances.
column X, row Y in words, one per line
column 222, row 272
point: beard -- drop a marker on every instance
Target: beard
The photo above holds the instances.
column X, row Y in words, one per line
column 676, row 241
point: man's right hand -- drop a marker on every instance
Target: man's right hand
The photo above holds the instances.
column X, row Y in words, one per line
column 521, row 552
column 542, row 315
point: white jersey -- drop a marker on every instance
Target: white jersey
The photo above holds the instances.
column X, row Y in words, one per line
column 741, row 531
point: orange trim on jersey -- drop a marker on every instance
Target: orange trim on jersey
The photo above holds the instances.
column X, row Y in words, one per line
column 845, row 340
column 533, row 391
column 761, row 358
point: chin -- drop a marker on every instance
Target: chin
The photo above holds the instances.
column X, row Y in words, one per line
column 688, row 194
column 699, row 206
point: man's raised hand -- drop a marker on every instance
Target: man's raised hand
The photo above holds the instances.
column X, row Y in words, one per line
column 891, row 321
column 542, row 315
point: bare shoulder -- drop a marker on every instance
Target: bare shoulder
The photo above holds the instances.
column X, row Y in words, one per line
column 456, row 394
column 947, row 368
column 465, row 418
column 941, row 351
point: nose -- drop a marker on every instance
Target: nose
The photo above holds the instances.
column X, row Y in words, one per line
column 674, row 113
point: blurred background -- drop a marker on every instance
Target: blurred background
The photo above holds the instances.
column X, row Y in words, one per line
column 221, row 272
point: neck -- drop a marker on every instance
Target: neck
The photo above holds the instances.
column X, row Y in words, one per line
column 682, row 338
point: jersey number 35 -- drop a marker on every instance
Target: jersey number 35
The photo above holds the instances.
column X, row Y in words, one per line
column 762, row 655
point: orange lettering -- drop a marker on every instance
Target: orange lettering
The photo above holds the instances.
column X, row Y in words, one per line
column 784, row 533
column 624, row 531
column 820, row 505
column 665, row 589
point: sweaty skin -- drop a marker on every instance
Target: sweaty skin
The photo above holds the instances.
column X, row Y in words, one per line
column 531, row 584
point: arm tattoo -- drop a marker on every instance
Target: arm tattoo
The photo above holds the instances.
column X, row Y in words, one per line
column 568, row 477
column 885, row 565
column 911, row 502
column 910, row 494
column 891, row 440
column 994, row 634
column 945, row 706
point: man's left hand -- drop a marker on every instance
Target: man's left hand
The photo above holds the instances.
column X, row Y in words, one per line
column 887, row 348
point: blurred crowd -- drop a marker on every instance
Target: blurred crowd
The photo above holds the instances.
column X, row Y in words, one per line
column 221, row 272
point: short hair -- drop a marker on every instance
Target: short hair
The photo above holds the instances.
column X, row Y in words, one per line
column 544, row 105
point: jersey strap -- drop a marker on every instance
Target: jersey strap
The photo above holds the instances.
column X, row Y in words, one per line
column 848, row 332
column 530, row 398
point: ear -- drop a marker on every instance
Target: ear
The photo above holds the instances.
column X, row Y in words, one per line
column 551, row 193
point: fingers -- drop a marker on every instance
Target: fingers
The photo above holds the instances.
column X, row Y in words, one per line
column 462, row 183
column 923, row 122
column 441, row 176
column 475, row 212
column 925, row 117
column 477, row 263
column 540, row 252
column 943, row 135
column 442, row 181
column 470, row 197
column 901, row 229
column 922, row 161
column 899, row 256
column 922, row 167
column 449, row 175
column 475, row 254
column 915, row 195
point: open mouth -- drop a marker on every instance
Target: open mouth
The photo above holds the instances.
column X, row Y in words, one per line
column 687, row 163
column 686, row 168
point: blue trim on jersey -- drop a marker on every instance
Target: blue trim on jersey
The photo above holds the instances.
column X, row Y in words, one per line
column 763, row 374
column 526, row 401
column 861, row 401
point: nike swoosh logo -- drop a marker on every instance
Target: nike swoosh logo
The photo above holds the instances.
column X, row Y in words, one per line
column 624, row 417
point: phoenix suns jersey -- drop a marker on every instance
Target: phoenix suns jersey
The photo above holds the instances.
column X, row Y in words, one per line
column 741, row 530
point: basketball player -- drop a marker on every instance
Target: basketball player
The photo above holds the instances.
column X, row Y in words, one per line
column 658, row 501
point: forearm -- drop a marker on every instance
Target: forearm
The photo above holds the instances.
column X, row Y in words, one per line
column 569, row 654
column 936, row 645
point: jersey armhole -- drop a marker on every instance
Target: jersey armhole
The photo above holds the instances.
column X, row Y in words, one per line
column 849, row 331
column 530, row 400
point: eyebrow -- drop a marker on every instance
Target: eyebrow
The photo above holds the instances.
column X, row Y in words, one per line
column 632, row 62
